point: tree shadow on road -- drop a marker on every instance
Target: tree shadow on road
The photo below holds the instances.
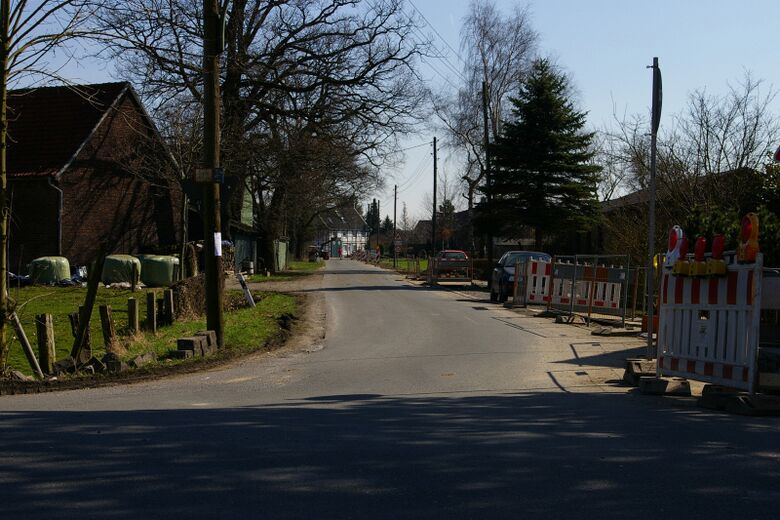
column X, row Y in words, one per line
column 545, row 455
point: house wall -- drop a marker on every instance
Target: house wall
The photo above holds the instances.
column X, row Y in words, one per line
column 352, row 240
column 113, row 194
column 33, row 226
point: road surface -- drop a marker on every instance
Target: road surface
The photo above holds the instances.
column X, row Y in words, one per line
column 417, row 404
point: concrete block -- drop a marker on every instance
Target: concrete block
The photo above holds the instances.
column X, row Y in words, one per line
column 66, row 365
column 143, row 359
column 181, row 354
column 664, row 386
column 210, row 335
column 740, row 403
column 637, row 368
column 114, row 366
column 96, row 364
column 193, row 343
column 210, row 345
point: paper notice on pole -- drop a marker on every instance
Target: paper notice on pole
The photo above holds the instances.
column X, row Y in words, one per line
column 217, row 244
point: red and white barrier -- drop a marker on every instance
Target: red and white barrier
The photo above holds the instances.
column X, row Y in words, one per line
column 606, row 295
column 709, row 327
column 538, row 274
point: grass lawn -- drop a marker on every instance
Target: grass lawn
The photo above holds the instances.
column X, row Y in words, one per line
column 294, row 269
column 244, row 328
column 403, row 265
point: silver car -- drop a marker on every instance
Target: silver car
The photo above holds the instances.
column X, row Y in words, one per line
column 503, row 276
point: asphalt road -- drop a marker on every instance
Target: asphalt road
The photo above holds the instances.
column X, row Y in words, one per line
column 418, row 404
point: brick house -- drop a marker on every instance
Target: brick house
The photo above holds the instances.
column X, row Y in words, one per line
column 86, row 166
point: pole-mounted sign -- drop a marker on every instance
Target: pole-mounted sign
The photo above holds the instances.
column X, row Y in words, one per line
column 657, row 95
column 656, row 120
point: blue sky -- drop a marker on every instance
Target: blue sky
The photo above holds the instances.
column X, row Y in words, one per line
column 605, row 46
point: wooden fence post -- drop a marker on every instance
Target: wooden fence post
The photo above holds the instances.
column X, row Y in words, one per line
column 168, row 306
column 133, row 322
column 46, row 350
column 86, row 349
column 135, row 277
column 107, row 324
column 28, row 351
column 151, row 312
column 95, row 272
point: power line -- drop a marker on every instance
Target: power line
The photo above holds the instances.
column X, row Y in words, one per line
column 412, row 181
column 414, row 146
column 439, row 54
column 435, row 31
column 439, row 73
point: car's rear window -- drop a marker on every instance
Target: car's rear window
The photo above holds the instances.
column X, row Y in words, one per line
column 522, row 257
column 454, row 255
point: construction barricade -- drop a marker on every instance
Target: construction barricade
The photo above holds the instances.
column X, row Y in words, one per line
column 710, row 310
column 531, row 283
column 449, row 270
column 585, row 285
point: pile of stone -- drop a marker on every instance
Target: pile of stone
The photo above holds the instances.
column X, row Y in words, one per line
column 201, row 344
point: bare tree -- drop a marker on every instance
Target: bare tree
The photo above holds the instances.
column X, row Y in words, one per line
column 406, row 220
column 29, row 33
column 498, row 49
column 708, row 157
column 324, row 67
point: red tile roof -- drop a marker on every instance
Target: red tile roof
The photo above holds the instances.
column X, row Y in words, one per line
column 48, row 125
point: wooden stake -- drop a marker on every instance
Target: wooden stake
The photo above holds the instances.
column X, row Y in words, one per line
column 86, row 351
column 107, row 324
column 133, row 322
column 168, row 306
column 47, row 353
column 89, row 303
column 151, row 312
column 135, row 277
column 28, row 351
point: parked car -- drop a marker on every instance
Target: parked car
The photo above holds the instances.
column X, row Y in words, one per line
column 452, row 254
column 452, row 263
column 503, row 275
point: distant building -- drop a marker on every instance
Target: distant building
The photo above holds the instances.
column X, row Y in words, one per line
column 85, row 168
column 342, row 227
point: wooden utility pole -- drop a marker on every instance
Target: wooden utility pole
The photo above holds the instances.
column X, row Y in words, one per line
column 433, row 219
column 488, row 177
column 395, row 211
column 5, row 22
column 212, row 224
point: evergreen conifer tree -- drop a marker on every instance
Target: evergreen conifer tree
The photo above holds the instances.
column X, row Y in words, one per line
column 542, row 174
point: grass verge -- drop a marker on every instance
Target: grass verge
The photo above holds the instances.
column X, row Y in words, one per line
column 294, row 270
column 403, row 265
column 245, row 329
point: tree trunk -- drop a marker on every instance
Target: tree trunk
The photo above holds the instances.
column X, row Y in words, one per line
column 184, row 236
column 4, row 310
column 271, row 228
column 538, row 238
